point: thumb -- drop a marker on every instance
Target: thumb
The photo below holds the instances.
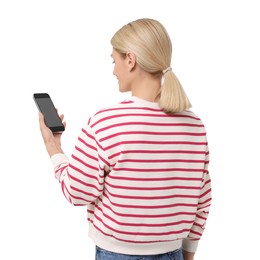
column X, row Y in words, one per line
column 41, row 120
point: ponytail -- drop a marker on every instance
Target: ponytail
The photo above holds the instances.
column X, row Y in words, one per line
column 172, row 97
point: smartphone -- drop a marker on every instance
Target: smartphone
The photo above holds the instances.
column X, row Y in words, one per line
column 47, row 108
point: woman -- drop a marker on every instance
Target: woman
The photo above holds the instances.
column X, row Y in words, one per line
column 141, row 166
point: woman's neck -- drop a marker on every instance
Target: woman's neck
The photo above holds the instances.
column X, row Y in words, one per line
column 146, row 88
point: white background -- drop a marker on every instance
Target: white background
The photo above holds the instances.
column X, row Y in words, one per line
column 63, row 48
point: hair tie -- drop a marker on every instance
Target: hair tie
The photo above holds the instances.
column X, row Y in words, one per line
column 166, row 70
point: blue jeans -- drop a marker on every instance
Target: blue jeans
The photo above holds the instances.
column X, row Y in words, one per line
column 102, row 254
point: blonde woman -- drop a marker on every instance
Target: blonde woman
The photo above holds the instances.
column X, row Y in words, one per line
column 140, row 166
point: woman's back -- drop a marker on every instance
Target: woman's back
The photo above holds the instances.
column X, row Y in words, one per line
column 155, row 180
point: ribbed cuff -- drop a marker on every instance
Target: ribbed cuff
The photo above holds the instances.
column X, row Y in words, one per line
column 190, row 245
column 58, row 159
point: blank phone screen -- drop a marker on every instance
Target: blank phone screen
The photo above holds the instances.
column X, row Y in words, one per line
column 51, row 116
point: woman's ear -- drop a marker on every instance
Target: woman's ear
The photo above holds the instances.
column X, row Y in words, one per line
column 131, row 60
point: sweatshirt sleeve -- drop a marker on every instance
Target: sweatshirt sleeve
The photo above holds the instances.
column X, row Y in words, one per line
column 190, row 244
column 82, row 176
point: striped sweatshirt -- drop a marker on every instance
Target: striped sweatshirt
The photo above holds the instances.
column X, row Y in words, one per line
column 143, row 175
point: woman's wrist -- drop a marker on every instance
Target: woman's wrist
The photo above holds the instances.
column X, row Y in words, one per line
column 188, row 255
column 52, row 148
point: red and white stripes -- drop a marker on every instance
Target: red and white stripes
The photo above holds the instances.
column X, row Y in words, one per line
column 143, row 174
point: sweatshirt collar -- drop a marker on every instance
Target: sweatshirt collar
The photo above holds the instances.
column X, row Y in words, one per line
column 144, row 102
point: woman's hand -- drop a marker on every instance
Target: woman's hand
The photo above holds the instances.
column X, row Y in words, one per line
column 51, row 140
column 188, row 255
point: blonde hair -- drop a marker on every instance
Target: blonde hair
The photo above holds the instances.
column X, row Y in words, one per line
column 151, row 44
